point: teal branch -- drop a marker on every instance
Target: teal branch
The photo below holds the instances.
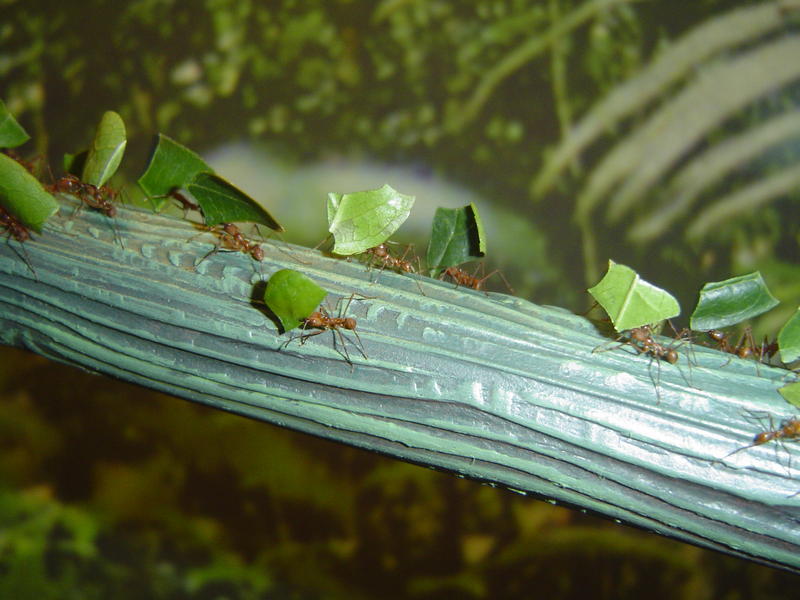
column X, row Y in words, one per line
column 485, row 386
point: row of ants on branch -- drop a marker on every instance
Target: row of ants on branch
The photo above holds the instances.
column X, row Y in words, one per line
column 231, row 238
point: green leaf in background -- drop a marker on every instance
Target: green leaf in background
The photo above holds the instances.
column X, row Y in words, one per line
column 23, row 196
column 362, row 220
column 171, row 166
column 456, row 237
column 222, row 202
column 630, row 301
column 789, row 339
column 725, row 303
column 292, row 297
column 106, row 150
column 11, row 133
column 791, row 393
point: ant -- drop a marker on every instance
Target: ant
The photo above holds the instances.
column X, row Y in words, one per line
column 184, row 201
column 643, row 340
column 15, row 229
column 788, row 429
column 231, row 238
column 746, row 346
column 380, row 254
column 323, row 321
column 461, row 277
column 99, row 198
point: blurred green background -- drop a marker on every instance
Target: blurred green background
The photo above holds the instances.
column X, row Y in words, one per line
column 112, row 491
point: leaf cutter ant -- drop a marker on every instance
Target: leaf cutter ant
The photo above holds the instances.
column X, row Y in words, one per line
column 381, row 255
column 643, row 341
column 322, row 321
column 100, row 198
column 461, row 278
column 789, row 429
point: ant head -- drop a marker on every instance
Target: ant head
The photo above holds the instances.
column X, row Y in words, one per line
column 744, row 352
column 716, row 335
column 640, row 334
column 349, row 323
column 230, row 229
column 257, row 252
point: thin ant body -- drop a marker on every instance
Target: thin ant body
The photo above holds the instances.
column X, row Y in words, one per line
column 746, row 346
column 99, row 198
column 643, row 341
column 788, row 429
column 187, row 204
column 461, row 278
column 15, row 229
column 322, row 321
column 233, row 239
column 380, row 254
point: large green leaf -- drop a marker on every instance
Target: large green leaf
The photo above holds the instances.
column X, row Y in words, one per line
column 11, row 133
column 292, row 296
column 23, row 196
column 106, row 150
column 630, row 301
column 789, row 339
column 222, row 202
column 456, row 237
column 362, row 220
column 725, row 303
column 171, row 166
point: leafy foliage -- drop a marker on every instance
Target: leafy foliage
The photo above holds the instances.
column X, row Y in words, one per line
column 12, row 133
column 106, row 151
column 724, row 303
column 457, row 236
column 23, row 196
column 630, row 301
column 292, row 297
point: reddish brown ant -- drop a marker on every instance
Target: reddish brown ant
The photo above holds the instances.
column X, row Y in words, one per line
column 788, row 429
column 99, row 198
column 187, row 204
column 746, row 346
column 323, row 321
column 15, row 229
column 643, row 341
column 380, row 254
column 470, row 280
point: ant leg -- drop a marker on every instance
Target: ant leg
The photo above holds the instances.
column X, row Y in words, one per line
column 23, row 257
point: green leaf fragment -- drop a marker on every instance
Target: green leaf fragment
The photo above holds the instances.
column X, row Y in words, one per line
column 789, row 339
column 362, row 220
column 222, row 202
column 791, row 393
column 630, row 301
column 106, row 151
column 292, row 296
column 332, row 205
column 11, row 133
column 172, row 166
column 725, row 303
column 456, row 237
column 23, row 196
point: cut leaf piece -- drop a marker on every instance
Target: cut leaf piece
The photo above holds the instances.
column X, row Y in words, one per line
column 106, row 150
column 630, row 301
column 172, row 166
column 789, row 339
column 11, row 133
column 292, row 297
column 23, row 196
column 222, row 202
column 362, row 220
column 456, row 237
column 725, row 303
column 791, row 393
